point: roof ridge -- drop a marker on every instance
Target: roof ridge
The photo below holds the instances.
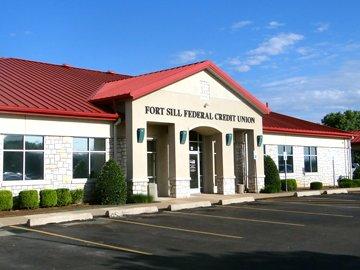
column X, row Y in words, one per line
column 172, row 68
column 67, row 66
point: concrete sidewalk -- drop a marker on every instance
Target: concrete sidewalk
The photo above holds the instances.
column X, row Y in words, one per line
column 163, row 203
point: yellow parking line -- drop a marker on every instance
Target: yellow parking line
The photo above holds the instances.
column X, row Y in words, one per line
column 82, row 240
column 176, row 229
column 238, row 218
column 316, row 204
column 286, row 211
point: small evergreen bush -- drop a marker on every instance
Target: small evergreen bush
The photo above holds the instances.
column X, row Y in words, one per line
column 63, row 196
column 291, row 185
column 357, row 182
column 272, row 178
column 316, row 185
column 348, row 183
column 28, row 199
column 140, row 198
column 345, row 183
column 77, row 196
column 356, row 174
column 6, row 200
column 48, row 198
column 110, row 186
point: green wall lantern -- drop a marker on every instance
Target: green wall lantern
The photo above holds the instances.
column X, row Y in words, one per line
column 259, row 140
column 140, row 133
column 183, row 135
column 228, row 138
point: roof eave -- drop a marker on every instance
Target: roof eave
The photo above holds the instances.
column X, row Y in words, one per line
column 62, row 114
column 307, row 133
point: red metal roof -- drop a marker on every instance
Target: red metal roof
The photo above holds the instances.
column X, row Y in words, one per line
column 283, row 124
column 356, row 136
column 29, row 87
column 142, row 85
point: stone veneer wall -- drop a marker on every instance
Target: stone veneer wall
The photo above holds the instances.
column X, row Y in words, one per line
column 57, row 167
column 120, row 152
column 325, row 172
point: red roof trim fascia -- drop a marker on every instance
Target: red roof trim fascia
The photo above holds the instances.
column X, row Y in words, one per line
column 307, row 133
column 247, row 95
column 140, row 92
column 57, row 113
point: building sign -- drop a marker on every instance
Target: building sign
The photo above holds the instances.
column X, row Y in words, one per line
column 198, row 114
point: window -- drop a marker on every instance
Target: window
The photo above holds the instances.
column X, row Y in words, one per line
column 88, row 157
column 151, row 160
column 289, row 162
column 23, row 158
column 310, row 159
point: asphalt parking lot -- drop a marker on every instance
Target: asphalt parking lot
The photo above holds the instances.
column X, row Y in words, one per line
column 320, row 232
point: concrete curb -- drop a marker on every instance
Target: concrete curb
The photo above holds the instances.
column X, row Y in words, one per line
column 307, row 193
column 181, row 206
column 44, row 219
column 119, row 212
column 236, row 200
column 336, row 191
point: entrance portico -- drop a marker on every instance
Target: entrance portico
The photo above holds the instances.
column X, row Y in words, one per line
column 184, row 137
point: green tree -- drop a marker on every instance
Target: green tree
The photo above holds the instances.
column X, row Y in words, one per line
column 348, row 120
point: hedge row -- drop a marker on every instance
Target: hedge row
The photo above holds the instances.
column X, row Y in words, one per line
column 30, row 199
column 291, row 185
column 348, row 183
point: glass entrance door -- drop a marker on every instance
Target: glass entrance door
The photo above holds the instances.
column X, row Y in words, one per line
column 194, row 172
column 195, row 155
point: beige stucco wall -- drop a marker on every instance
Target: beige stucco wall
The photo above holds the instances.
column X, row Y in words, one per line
column 186, row 95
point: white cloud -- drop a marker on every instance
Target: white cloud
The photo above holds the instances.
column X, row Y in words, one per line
column 312, row 97
column 286, row 82
column 274, row 24
column 273, row 46
column 277, row 44
column 240, row 24
column 322, row 27
column 188, row 56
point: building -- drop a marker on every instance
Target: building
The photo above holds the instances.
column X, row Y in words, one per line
column 189, row 129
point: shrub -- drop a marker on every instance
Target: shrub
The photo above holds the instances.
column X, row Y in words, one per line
column 291, row 185
column 316, row 185
column 357, row 182
column 356, row 174
column 63, row 196
column 345, row 183
column 140, row 198
column 6, row 200
column 77, row 196
column 48, row 198
column 272, row 178
column 28, row 199
column 110, row 186
column 348, row 183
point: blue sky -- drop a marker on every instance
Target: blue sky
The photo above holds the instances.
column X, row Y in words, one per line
column 303, row 57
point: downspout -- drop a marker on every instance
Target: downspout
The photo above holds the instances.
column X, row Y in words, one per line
column 118, row 122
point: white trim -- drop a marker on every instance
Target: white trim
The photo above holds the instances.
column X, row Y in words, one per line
column 10, row 183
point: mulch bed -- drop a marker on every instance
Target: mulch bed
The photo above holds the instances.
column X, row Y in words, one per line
column 14, row 213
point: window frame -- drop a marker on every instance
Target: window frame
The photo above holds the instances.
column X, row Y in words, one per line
column 311, row 155
column 281, row 155
column 89, row 152
column 23, row 150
